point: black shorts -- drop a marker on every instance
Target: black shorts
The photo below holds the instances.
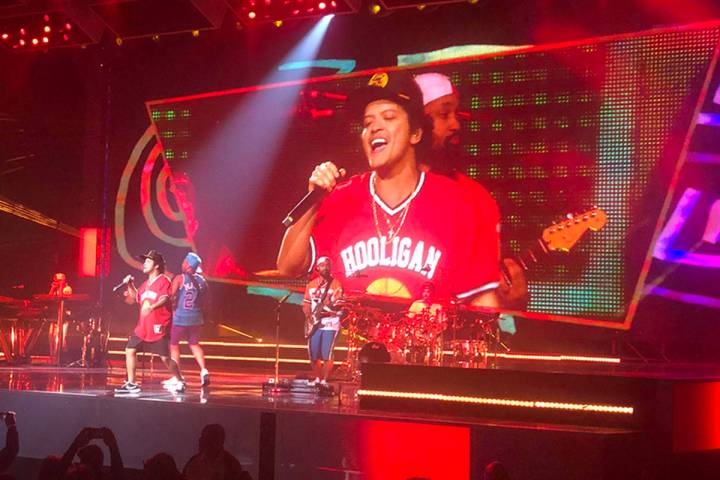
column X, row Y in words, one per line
column 159, row 347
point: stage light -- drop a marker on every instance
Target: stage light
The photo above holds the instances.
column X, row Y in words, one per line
column 278, row 23
column 55, row 26
column 118, row 41
column 88, row 252
column 375, row 8
column 5, row 36
column 196, row 33
column 21, row 42
column 264, row 11
column 263, row 115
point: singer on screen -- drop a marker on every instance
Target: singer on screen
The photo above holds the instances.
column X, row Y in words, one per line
column 394, row 228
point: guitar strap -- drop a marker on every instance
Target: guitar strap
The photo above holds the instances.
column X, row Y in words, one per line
column 323, row 297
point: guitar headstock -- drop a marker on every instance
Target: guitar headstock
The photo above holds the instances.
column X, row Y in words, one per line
column 563, row 235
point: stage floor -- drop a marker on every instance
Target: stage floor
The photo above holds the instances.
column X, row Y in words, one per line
column 242, row 386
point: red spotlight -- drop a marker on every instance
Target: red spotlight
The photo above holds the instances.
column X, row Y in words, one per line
column 322, row 5
column 21, row 42
column 46, row 17
column 251, row 15
column 333, row 3
column 68, row 26
column 22, row 31
column 5, row 36
column 35, row 41
column 45, row 40
column 65, row 37
column 47, row 29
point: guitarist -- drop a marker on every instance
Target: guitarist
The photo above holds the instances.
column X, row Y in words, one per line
column 322, row 319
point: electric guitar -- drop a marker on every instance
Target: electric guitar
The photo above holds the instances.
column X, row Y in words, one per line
column 322, row 310
column 560, row 237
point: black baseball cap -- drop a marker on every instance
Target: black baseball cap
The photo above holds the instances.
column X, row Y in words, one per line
column 155, row 256
column 396, row 86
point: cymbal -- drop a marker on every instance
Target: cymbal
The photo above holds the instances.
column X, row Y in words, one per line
column 75, row 297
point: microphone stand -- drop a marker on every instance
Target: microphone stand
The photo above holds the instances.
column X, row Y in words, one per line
column 278, row 307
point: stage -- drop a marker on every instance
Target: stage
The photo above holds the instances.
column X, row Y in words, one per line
column 296, row 436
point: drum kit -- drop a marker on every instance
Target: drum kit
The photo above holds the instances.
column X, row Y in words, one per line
column 382, row 329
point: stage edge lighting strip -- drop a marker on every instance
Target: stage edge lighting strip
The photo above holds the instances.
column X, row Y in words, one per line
column 502, row 402
column 556, row 358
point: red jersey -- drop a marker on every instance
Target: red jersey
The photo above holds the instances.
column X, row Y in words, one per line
column 445, row 232
column 154, row 325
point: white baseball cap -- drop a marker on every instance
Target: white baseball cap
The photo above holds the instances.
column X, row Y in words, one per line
column 434, row 86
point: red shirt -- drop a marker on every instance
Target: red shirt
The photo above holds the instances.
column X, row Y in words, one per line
column 446, row 232
column 153, row 326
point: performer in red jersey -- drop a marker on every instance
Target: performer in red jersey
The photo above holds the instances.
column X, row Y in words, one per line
column 153, row 327
column 396, row 227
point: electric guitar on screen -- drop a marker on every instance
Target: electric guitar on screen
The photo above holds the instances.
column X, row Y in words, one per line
column 560, row 237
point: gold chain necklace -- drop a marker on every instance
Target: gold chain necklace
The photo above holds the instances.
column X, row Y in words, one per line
column 392, row 225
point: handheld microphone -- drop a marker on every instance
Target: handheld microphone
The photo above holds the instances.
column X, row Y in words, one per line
column 310, row 199
column 123, row 284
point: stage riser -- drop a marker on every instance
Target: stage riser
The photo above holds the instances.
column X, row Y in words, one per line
column 321, row 447
column 306, row 445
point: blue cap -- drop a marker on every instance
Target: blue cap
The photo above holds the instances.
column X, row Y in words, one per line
column 193, row 260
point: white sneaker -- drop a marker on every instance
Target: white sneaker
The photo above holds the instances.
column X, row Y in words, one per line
column 128, row 387
column 170, row 383
column 204, row 377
